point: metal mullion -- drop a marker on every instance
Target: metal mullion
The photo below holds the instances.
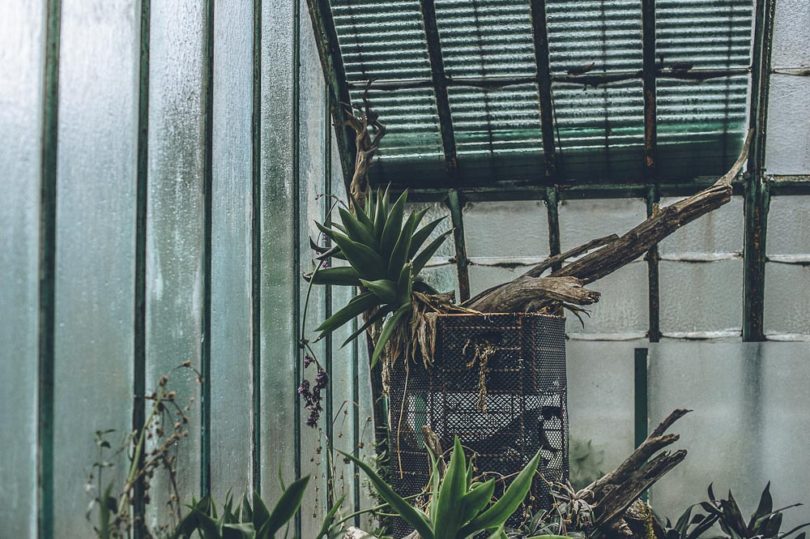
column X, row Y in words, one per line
column 541, row 55
column 439, row 80
column 462, row 263
column 756, row 192
column 334, row 73
column 649, row 73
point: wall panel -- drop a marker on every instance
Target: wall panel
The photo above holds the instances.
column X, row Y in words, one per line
column 175, row 221
column 22, row 58
column 231, row 255
column 95, row 243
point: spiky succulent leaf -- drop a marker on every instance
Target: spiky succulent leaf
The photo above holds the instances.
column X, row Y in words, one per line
column 421, row 235
column 368, row 263
column 422, row 258
column 451, row 492
column 402, row 247
column 356, row 230
column 357, row 305
column 384, row 289
column 373, row 319
column 337, row 276
column 393, row 226
column 387, row 330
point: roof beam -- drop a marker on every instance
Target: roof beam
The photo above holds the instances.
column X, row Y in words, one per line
column 590, row 79
column 334, row 73
column 540, row 34
column 439, row 81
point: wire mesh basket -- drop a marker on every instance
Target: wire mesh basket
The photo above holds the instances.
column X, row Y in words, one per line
column 498, row 382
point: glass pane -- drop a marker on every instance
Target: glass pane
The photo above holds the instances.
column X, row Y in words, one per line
column 790, row 34
column 98, row 112
column 279, row 279
column 789, row 226
column 718, row 233
column 788, row 151
column 21, row 31
column 748, row 425
column 231, row 319
column 701, row 299
column 175, row 216
column 516, row 229
column 787, row 295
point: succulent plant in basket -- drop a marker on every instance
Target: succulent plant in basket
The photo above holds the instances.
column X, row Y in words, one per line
column 384, row 251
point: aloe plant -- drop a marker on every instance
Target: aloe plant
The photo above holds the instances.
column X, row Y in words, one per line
column 460, row 507
column 385, row 255
column 247, row 521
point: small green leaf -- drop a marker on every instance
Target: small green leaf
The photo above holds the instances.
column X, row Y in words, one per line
column 384, row 289
column 421, row 235
column 337, row 276
column 356, row 230
column 422, row 258
column 411, row 515
column 449, row 507
column 476, row 499
column 393, row 226
column 378, row 315
column 367, row 262
column 357, row 305
column 501, row 510
column 399, row 256
column 387, row 331
column 287, row 505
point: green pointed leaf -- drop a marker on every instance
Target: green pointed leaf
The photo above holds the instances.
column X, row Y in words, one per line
column 337, row 276
column 501, row 510
column 410, row 514
column 421, row 235
column 329, row 519
column 367, row 262
column 435, row 483
column 260, row 512
column 377, row 316
column 393, row 226
column 476, row 499
column 356, row 230
column 387, row 331
column 765, row 505
column 385, row 290
column 422, row 258
column 399, row 255
column 365, row 220
column 448, row 508
column 357, row 305
column 405, row 285
column 287, row 505
column 379, row 215
column 498, row 534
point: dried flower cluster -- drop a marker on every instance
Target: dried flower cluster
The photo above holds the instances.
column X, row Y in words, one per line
column 312, row 393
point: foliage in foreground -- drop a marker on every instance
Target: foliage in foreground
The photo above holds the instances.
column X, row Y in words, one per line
column 459, row 506
column 244, row 522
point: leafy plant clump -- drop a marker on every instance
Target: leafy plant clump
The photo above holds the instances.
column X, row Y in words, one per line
column 247, row 521
column 459, row 506
column 385, row 255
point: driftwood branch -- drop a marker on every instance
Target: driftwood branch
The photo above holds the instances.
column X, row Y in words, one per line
column 612, row 252
column 614, row 493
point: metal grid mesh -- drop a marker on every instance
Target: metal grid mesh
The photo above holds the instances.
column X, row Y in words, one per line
column 498, row 383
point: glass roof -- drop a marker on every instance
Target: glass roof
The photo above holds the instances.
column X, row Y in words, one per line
column 479, row 57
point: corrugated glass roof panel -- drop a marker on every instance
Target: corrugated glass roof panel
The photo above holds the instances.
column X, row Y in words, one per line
column 386, row 40
column 595, row 63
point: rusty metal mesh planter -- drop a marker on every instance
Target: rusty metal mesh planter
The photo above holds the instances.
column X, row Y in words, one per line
column 499, row 383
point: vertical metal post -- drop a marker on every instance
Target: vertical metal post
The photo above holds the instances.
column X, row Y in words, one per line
column 641, row 398
column 649, row 73
column 541, row 55
column 756, row 187
column 139, row 345
column 256, row 232
column 47, row 270
column 205, row 352
column 428, row 9
column 552, row 207
column 454, row 203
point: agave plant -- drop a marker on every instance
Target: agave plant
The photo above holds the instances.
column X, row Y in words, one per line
column 765, row 522
column 459, row 506
column 385, row 256
column 247, row 521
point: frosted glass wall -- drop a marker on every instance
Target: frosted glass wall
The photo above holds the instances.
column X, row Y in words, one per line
column 749, row 423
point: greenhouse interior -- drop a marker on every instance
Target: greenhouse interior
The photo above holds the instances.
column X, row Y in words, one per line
column 437, row 269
